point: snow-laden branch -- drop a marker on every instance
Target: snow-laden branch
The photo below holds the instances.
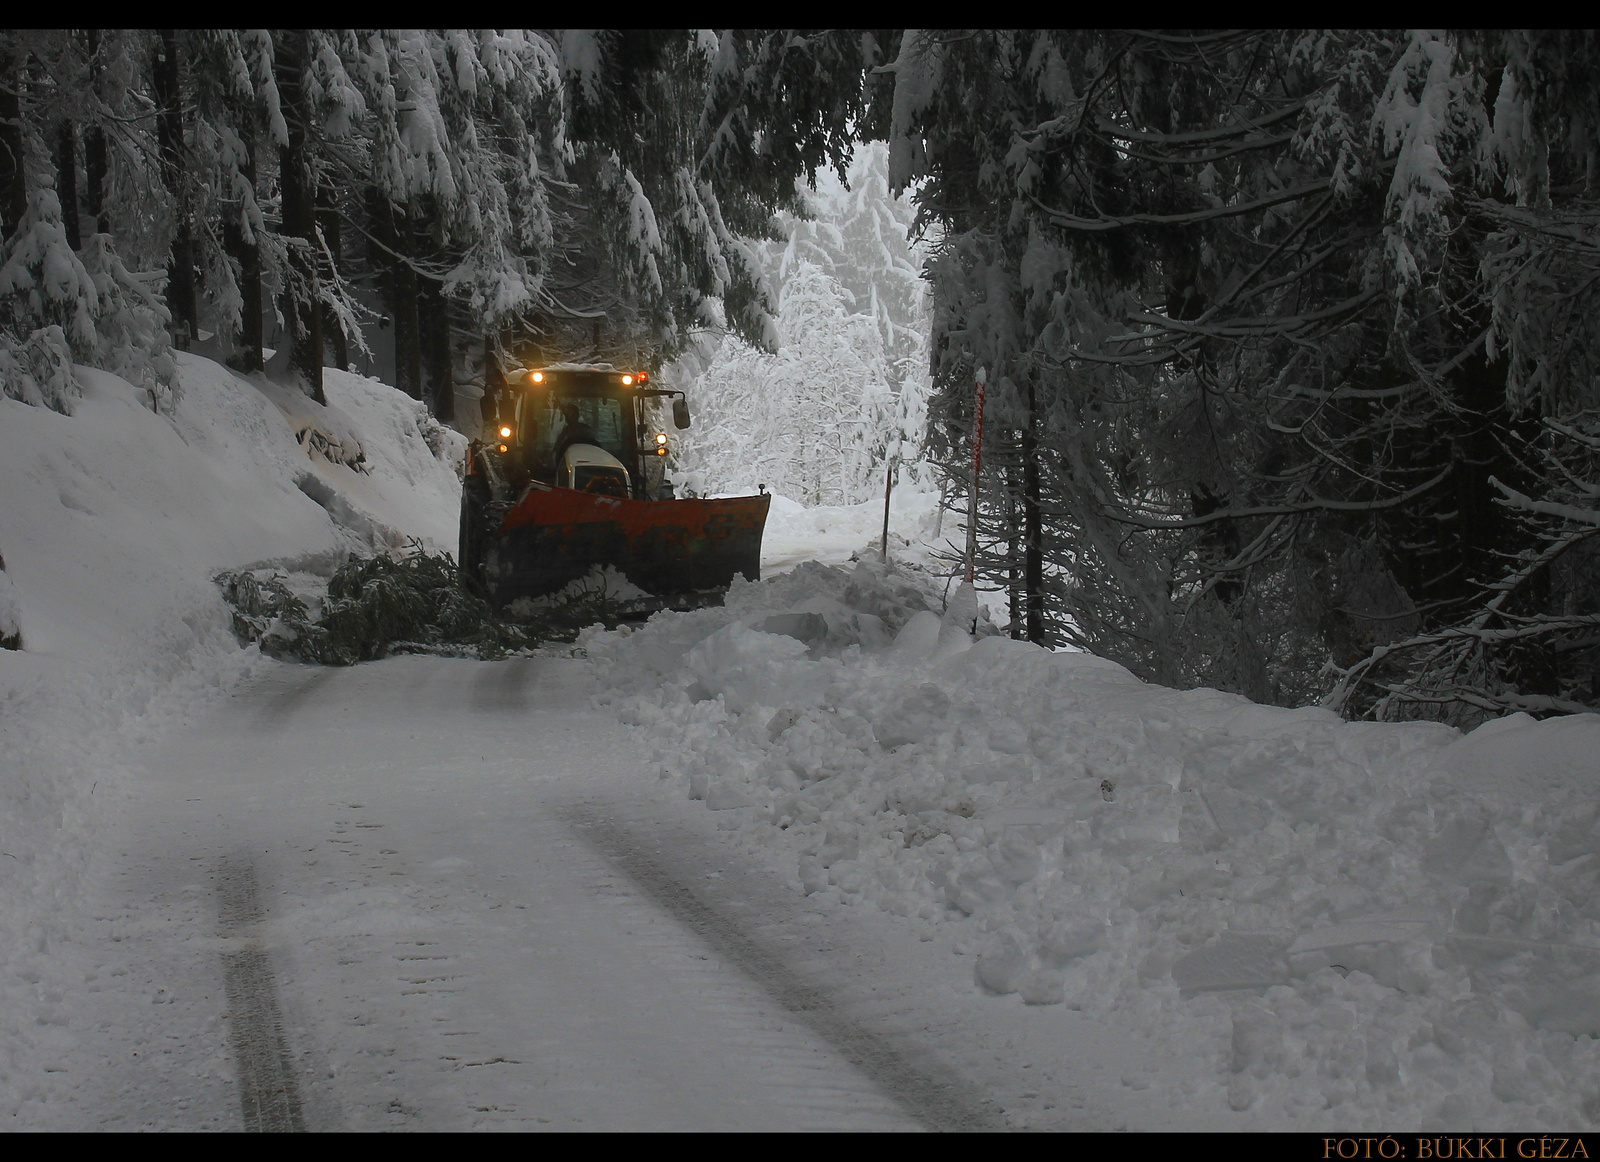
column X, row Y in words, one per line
column 1568, row 512
column 1314, row 504
column 1278, row 198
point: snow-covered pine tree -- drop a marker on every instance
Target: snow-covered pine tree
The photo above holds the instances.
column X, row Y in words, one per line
column 59, row 304
column 254, row 150
column 58, row 307
column 689, row 143
column 232, row 122
column 501, row 100
column 859, row 232
column 802, row 420
column 131, row 324
column 48, row 303
column 847, row 278
column 1231, row 285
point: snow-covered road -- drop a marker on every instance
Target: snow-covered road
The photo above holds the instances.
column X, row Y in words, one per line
column 475, row 912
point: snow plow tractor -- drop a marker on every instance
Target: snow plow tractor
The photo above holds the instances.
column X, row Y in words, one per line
column 574, row 477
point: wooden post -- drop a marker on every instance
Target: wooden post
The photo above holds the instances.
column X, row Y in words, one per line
column 888, row 485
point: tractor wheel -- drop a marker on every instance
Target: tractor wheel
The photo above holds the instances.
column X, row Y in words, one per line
column 474, row 519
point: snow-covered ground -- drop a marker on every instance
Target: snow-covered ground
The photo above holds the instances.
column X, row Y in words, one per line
column 836, row 533
column 1325, row 923
column 112, row 523
column 838, row 864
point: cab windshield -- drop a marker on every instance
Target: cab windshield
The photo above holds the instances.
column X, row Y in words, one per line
column 602, row 415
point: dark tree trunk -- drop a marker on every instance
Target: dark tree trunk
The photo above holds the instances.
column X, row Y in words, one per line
column 433, row 317
column 302, row 305
column 94, row 178
column 181, row 297
column 494, row 381
column 436, row 362
column 399, row 291
column 13, row 182
column 247, row 350
column 67, row 181
column 94, row 152
column 1032, row 526
column 332, row 329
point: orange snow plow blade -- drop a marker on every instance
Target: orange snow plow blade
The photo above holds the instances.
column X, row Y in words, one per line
column 555, row 535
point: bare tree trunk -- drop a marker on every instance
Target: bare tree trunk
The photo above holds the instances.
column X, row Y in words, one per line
column 67, row 180
column 94, row 178
column 328, row 222
column 94, row 152
column 435, row 329
column 13, row 181
column 247, row 350
column 301, row 300
column 399, row 285
column 181, row 297
column 494, row 380
column 435, row 318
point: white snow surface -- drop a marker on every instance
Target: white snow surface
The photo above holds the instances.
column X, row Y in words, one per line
column 1331, row 924
column 112, row 523
column 1100, row 902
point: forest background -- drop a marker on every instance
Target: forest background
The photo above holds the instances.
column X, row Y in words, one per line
column 1286, row 336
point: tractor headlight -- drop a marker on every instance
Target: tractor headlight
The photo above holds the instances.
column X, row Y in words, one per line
column 505, row 433
column 627, row 381
column 537, row 377
column 661, row 437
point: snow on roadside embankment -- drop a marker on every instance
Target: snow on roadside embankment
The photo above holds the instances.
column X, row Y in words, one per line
column 1330, row 923
column 833, row 533
column 112, row 522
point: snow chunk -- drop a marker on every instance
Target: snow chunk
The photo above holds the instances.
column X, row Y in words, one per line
column 748, row 668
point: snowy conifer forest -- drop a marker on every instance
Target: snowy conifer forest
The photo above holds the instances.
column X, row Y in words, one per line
column 1164, row 691
column 1286, row 335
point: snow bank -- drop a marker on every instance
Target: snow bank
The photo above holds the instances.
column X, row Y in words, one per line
column 112, row 523
column 1340, row 924
column 832, row 533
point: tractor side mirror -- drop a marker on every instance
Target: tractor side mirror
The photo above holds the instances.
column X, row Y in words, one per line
column 680, row 412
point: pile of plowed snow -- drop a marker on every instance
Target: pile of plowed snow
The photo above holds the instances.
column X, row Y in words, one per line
column 112, row 523
column 829, row 533
column 1338, row 924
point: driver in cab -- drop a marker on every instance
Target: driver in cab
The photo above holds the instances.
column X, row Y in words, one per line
column 574, row 431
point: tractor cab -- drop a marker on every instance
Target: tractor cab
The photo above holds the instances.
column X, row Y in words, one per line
column 586, row 426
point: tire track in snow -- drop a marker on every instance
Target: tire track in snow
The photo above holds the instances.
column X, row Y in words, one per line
column 285, row 703
column 269, row 1095
column 504, row 689
column 794, row 1068
column 938, row 1103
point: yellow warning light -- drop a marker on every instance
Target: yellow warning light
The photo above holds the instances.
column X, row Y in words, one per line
column 505, row 433
column 503, row 448
column 644, row 377
column 661, row 450
column 537, row 377
column 627, row 381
